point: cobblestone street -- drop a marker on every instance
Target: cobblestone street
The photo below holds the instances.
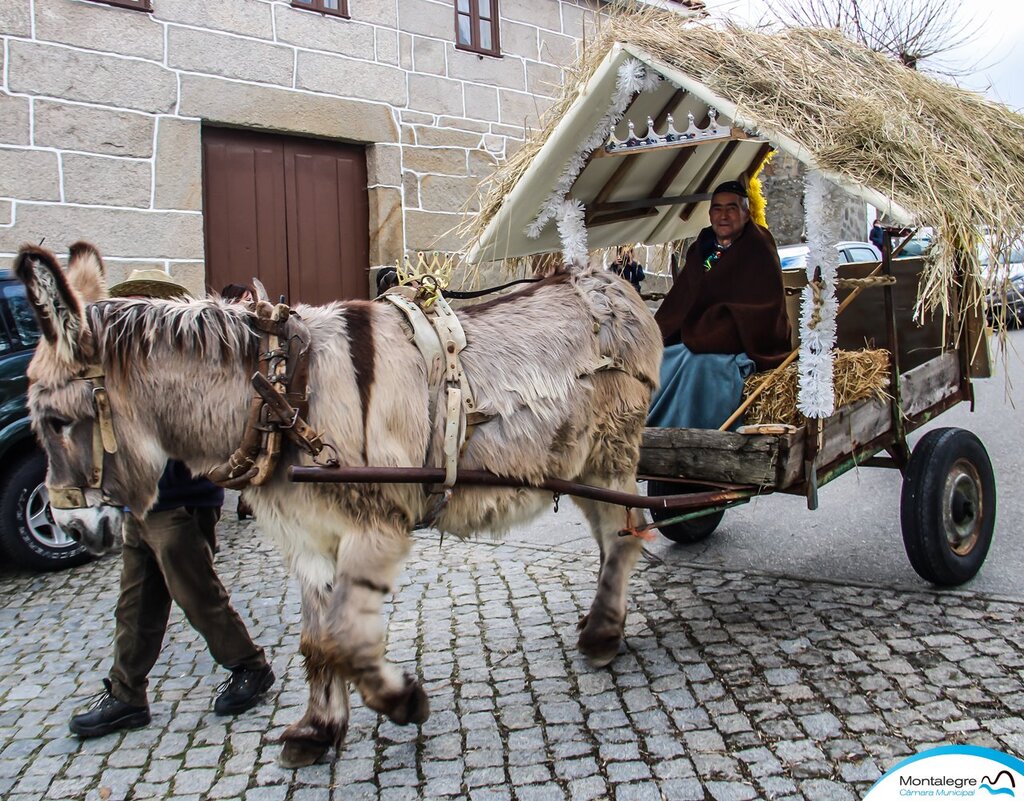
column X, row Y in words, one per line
column 733, row 686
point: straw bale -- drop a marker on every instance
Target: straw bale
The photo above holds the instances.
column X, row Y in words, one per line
column 857, row 374
column 951, row 157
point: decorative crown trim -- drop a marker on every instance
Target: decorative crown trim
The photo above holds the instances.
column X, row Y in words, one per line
column 652, row 139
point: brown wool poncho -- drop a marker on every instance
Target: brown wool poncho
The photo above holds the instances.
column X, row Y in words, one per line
column 736, row 306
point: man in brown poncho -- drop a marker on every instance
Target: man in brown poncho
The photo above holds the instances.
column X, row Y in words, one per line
column 724, row 318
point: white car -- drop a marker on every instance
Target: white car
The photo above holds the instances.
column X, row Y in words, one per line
column 794, row 257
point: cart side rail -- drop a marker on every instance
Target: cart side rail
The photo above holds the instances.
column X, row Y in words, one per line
column 858, row 430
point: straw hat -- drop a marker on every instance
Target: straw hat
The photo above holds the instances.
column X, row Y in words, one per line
column 150, row 284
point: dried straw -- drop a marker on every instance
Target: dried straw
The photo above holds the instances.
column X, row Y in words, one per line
column 949, row 156
column 857, row 374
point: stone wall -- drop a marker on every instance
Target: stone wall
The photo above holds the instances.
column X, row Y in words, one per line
column 101, row 110
column 853, row 223
column 783, row 181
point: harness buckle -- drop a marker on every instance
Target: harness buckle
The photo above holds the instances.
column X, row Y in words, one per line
column 330, row 461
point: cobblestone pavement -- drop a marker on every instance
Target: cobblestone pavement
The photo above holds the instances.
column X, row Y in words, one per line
column 733, row 686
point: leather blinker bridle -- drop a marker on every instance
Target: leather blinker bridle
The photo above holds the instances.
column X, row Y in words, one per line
column 103, row 442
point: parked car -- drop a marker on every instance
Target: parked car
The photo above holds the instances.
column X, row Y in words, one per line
column 1004, row 299
column 917, row 246
column 28, row 534
column 794, row 257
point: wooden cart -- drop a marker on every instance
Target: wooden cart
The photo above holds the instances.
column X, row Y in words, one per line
column 948, row 501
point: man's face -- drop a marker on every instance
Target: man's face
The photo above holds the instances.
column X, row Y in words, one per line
column 727, row 216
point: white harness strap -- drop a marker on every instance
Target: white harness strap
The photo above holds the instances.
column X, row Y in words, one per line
column 438, row 334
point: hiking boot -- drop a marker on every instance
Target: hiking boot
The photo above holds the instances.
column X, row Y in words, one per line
column 108, row 714
column 243, row 689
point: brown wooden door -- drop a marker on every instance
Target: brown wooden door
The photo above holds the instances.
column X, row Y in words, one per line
column 292, row 212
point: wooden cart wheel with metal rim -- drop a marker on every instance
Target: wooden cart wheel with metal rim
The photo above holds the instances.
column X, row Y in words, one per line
column 685, row 532
column 948, row 506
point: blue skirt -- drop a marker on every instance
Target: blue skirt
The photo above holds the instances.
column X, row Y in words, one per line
column 698, row 390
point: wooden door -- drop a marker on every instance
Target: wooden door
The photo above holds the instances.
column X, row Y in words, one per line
column 292, row 212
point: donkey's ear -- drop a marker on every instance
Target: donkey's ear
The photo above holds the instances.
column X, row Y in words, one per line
column 87, row 273
column 261, row 291
column 56, row 306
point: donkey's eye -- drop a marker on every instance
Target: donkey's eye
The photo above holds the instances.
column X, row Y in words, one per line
column 58, row 424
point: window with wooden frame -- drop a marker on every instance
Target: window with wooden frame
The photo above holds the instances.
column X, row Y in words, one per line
column 138, row 5
column 476, row 26
column 337, row 8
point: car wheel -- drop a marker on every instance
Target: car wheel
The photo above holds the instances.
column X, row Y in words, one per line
column 28, row 534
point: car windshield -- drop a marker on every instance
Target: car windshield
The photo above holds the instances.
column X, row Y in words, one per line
column 18, row 329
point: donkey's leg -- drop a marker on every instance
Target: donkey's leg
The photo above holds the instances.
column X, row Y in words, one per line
column 368, row 564
column 620, row 407
column 325, row 721
column 602, row 628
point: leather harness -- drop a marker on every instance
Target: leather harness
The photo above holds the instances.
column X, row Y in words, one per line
column 281, row 403
column 438, row 334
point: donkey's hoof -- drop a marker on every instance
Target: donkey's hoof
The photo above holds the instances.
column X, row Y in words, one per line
column 301, row 752
column 599, row 647
column 408, row 705
column 306, row 741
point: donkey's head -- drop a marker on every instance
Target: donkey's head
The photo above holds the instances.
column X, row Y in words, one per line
column 68, row 400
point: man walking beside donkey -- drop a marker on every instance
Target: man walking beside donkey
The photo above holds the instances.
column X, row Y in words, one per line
column 168, row 556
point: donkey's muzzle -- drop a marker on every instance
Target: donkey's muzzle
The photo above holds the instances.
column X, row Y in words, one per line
column 95, row 527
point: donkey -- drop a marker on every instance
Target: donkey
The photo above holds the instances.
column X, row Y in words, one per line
column 562, row 371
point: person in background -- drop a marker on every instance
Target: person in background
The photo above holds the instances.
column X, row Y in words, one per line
column 237, row 293
column 724, row 318
column 628, row 267
column 877, row 235
column 168, row 556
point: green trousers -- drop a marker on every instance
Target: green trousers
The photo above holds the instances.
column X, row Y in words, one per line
column 169, row 557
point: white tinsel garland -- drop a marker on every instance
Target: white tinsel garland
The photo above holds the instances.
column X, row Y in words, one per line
column 633, row 77
column 572, row 230
column 818, row 309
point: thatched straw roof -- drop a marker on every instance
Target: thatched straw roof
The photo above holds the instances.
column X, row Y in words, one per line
column 913, row 145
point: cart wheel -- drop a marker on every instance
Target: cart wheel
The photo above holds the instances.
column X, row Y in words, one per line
column 686, row 532
column 948, row 506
